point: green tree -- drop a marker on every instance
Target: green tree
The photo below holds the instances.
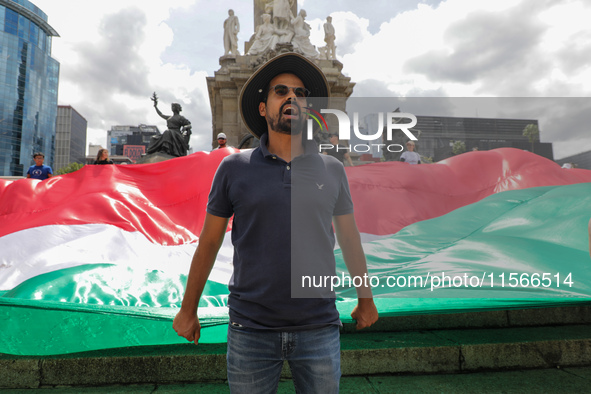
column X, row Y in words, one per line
column 458, row 147
column 532, row 132
column 69, row 168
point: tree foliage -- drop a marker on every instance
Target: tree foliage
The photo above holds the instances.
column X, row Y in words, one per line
column 532, row 132
column 458, row 147
column 69, row 168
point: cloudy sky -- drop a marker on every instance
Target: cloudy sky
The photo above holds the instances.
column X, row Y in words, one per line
column 115, row 53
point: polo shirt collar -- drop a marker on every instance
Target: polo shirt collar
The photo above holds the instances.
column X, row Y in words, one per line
column 310, row 147
column 263, row 145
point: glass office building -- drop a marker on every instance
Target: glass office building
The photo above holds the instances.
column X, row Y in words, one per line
column 28, row 87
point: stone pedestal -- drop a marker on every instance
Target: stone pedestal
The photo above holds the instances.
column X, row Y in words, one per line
column 226, row 84
column 154, row 158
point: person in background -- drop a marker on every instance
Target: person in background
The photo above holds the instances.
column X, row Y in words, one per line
column 338, row 151
column 102, row 157
column 222, row 141
column 410, row 156
column 39, row 170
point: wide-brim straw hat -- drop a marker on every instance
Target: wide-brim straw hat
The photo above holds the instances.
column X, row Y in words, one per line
column 254, row 92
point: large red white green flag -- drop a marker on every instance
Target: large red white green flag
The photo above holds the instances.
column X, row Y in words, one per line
column 98, row 258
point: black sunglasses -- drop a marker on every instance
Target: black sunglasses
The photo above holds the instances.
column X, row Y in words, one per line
column 282, row 90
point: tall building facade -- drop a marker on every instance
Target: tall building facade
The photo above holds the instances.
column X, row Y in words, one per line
column 70, row 137
column 130, row 141
column 437, row 134
column 28, row 87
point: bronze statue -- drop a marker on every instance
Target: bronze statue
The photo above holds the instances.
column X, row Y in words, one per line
column 175, row 140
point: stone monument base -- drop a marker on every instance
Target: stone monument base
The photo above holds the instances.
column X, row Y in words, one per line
column 226, row 84
column 154, row 158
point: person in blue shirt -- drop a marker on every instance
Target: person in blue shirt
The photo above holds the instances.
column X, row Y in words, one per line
column 39, row 170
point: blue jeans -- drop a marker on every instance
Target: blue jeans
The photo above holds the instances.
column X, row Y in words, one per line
column 255, row 359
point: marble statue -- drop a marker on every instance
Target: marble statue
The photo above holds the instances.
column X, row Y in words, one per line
column 175, row 140
column 265, row 37
column 301, row 40
column 231, row 29
column 329, row 38
column 282, row 14
column 281, row 31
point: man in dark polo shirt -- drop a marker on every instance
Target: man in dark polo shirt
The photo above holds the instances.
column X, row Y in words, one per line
column 284, row 197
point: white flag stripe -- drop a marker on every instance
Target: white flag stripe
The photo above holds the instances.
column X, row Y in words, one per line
column 28, row 253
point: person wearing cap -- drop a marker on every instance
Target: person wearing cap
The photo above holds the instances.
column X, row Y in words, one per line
column 284, row 197
column 410, row 156
column 222, row 141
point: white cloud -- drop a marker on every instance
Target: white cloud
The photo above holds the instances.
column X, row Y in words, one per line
column 527, row 48
column 110, row 56
column 475, row 47
column 452, row 48
column 350, row 31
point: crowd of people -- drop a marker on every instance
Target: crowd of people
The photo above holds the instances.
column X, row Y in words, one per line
column 41, row 171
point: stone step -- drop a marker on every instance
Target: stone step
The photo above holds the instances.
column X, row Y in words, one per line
column 550, row 316
column 468, row 342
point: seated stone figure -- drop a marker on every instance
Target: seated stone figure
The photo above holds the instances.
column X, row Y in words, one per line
column 301, row 41
column 175, row 140
column 266, row 37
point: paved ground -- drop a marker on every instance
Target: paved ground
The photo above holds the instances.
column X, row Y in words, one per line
column 567, row 380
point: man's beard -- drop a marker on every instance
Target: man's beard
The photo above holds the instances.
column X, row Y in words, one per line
column 287, row 126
